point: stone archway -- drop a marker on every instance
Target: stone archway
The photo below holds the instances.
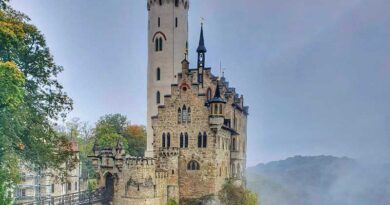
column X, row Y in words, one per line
column 109, row 191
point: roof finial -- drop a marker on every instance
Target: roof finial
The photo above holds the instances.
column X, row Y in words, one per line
column 186, row 51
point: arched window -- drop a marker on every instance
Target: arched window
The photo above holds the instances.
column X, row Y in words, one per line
column 159, row 22
column 158, row 74
column 158, row 97
column 168, row 140
column 215, row 109
column 204, row 139
column 186, row 140
column 185, row 114
column 156, row 44
column 199, row 140
column 189, row 115
column 179, row 116
column 160, row 44
column 193, row 165
column 163, row 140
column 220, row 109
column 208, row 94
column 181, row 140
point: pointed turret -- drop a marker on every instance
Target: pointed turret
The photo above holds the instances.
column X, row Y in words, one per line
column 217, row 96
column 201, row 47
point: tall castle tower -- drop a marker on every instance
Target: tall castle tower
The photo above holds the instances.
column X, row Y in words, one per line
column 167, row 39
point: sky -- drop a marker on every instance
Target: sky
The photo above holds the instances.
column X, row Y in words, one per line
column 315, row 73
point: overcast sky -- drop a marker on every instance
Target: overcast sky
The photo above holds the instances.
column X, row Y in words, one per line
column 315, row 73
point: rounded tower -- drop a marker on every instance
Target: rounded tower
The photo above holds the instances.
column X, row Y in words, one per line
column 167, row 41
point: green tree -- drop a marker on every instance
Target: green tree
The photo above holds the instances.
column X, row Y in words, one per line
column 31, row 98
column 110, row 130
column 136, row 139
column 232, row 194
column 172, row 202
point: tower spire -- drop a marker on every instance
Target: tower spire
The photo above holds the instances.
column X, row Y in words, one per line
column 201, row 47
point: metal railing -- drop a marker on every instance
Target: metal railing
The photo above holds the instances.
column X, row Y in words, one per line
column 79, row 198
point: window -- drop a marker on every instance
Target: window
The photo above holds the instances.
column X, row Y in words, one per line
column 204, row 139
column 173, row 172
column 208, row 94
column 160, row 2
column 158, row 97
column 23, row 192
column 75, row 186
column 179, row 115
column 234, row 144
column 156, row 44
column 186, row 140
column 159, row 22
column 163, row 140
column 52, row 188
column 184, row 114
column 181, row 140
column 176, row 3
column 199, row 140
column 193, row 165
column 176, row 22
column 168, row 140
column 189, row 115
column 220, row 109
column 69, row 186
column 160, row 44
column 158, row 74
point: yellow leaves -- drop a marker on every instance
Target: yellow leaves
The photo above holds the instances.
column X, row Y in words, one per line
column 11, row 85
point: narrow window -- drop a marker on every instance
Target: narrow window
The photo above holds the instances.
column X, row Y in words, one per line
column 158, row 97
column 234, row 144
column 179, row 116
column 160, row 2
column 52, row 188
column 220, row 109
column 189, row 115
column 159, row 22
column 176, row 22
column 185, row 114
column 186, row 140
column 23, row 192
column 163, row 140
column 168, row 140
column 69, row 186
column 208, row 94
column 75, row 186
column 181, row 140
column 204, row 139
column 215, row 109
column 158, row 74
column 160, row 44
column 156, row 44
column 200, row 140
column 176, row 3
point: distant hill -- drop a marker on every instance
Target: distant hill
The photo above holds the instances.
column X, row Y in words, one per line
column 320, row 180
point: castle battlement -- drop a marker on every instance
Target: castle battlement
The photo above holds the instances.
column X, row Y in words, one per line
column 169, row 152
column 178, row 3
column 136, row 161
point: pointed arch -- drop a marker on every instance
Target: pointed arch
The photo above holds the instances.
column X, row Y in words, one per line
column 193, row 165
column 208, row 94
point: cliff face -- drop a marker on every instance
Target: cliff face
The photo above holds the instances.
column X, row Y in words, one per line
column 320, row 180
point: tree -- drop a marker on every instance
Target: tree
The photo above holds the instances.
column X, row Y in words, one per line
column 136, row 139
column 232, row 194
column 31, row 98
column 110, row 130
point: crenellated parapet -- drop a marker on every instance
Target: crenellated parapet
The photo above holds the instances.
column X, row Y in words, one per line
column 178, row 3
column 168, row 152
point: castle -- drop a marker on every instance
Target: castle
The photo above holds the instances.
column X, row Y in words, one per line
column 196, row 126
